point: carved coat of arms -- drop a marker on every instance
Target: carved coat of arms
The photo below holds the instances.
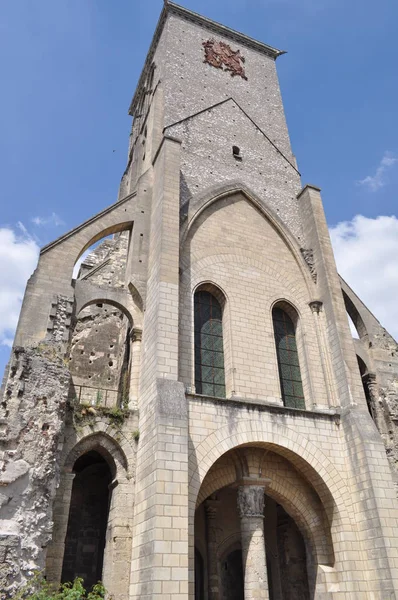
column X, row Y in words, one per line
column 221, row 56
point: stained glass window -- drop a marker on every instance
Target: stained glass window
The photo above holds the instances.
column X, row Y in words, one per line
column 288, row 362
column 209, row 352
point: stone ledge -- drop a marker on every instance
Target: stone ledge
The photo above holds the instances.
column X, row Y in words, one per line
column 262, row 406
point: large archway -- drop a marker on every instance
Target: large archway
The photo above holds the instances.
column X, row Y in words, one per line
column 292, row 529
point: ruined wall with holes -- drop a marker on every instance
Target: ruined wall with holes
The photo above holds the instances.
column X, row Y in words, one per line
column 99, row 356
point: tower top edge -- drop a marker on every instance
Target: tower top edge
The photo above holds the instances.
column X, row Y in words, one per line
column 170, row 8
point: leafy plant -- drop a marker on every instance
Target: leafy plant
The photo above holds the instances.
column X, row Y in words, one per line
column 116, row 415
column 39, row 589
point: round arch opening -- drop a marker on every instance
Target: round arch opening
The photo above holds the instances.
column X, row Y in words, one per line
column 293, row 546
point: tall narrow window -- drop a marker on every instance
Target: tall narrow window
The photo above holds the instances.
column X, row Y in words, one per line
column 209, row 353
column 288, row 362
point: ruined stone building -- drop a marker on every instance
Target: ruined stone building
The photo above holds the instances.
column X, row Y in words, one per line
column 190, row 418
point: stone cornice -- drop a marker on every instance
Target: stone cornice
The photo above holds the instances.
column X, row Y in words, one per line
column 333, row 414
column 170, row 8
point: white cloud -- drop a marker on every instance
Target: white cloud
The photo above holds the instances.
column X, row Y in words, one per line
column 379, row 180
column 18, row 258
column 366, row 252
column 53, row 219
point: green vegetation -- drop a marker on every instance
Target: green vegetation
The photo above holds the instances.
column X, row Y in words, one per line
column 39, row 589
column 84, row 413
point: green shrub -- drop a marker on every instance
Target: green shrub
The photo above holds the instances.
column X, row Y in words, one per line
column 39, row 589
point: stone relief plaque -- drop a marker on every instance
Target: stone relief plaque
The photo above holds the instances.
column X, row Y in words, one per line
column 221, row 56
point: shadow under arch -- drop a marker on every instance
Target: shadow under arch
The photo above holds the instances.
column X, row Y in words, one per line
column 102, row 443
column 301, row 503
column 308, row 459
column 217, row 193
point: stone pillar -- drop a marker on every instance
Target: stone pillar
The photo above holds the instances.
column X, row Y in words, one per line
column 317, row 310
column 56, row 548
column 159, row 566
column 135, row 366
column 251, row 512
column 212, row 558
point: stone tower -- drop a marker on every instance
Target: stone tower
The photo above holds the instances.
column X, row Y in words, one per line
column 187, row 419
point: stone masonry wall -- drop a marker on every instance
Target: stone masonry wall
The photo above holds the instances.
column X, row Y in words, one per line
column 31, row 426
column 191, row 85
column 208, row 161
column 235, row 247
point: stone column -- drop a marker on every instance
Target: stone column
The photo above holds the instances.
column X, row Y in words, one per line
column 212, row 558
column 135, row 365
column 317, row 310
column 56, row 548
column 251, row 512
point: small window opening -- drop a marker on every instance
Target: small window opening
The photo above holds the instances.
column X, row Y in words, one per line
column 236, row 153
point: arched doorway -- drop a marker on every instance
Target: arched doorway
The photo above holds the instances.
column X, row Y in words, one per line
column 88, row 517
column 251, row 489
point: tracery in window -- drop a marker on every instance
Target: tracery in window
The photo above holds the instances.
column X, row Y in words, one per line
column 288, row 360
column 209, row 352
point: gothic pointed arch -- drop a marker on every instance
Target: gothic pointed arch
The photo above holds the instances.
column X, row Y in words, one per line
column 102, row 443
column 218, row 193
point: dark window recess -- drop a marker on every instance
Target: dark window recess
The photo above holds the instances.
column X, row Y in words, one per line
column 288, row 362
column 88, row 518
column 236, row 152
column 209, row 352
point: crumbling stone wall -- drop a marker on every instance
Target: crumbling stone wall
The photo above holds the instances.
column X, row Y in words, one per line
column 99, row 356
column 99, row 352
column 382, row 387
column 377, row 354
column 106, row 264
column 31, row 425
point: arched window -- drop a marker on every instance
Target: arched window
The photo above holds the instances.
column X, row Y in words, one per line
column 209, row 352
column 288, row 361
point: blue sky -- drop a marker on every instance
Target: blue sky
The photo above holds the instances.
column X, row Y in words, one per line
column 69, row 69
